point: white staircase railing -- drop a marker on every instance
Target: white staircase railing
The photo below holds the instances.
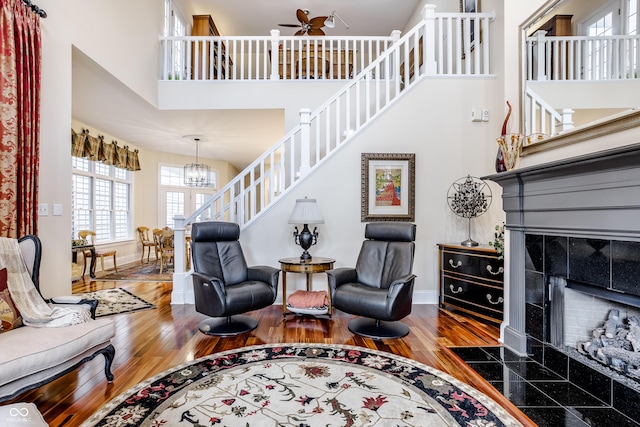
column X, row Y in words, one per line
column 542, row 119
column 582, row 58
column 447, row 50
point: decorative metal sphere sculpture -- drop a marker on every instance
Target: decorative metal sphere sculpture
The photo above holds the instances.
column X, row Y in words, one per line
column 469, row 197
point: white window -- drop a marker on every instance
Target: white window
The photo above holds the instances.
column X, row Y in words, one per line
column 176, row 198
column 599, row 25
column 175, row 25
column 632, row 17
column 101, row 200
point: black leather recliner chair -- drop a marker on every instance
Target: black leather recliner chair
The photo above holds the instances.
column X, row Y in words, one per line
column 380, row 287
column 223, row 285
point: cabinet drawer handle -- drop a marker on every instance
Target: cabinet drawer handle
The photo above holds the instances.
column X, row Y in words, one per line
column 500, row 300
column 454, row 290
column 490, row 270
column 458, row 264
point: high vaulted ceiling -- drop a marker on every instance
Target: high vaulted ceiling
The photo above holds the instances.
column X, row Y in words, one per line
column 230, row 139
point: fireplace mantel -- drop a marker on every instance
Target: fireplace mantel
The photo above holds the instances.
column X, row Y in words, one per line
column 590, row 196
column 594, row 195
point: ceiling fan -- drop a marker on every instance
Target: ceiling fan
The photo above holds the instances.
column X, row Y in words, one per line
column 308, row 26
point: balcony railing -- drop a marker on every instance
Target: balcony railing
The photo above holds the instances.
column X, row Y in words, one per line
column 222, row 58
column 441, row 44
column 272, row 57
column 582, row 58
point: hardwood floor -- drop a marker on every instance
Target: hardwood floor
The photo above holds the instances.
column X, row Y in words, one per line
column 151, row 341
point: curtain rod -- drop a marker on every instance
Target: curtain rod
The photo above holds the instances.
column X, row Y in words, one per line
column 35, row 8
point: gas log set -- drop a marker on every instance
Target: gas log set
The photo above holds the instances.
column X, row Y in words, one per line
column 616, row 344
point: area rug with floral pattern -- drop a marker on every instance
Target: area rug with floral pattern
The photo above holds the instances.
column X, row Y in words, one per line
column 302, row 385
column 141, row 273
column 115, row 301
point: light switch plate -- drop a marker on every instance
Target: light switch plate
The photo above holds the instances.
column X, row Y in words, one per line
column 57, row 209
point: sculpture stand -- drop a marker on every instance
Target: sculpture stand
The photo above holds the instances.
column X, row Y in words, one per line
column 469, row 242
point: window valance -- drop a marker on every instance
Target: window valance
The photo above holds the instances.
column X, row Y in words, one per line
column 97, row 149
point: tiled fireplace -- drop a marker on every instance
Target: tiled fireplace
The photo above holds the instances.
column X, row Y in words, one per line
column 574, row 229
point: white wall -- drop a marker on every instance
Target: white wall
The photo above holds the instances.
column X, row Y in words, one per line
column 447, row 145
column 130, row 53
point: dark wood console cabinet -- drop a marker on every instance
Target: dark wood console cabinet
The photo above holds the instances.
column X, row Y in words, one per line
column 216, row 63
column 472, row 281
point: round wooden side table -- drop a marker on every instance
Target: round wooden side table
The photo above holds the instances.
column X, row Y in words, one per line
column 295, row 265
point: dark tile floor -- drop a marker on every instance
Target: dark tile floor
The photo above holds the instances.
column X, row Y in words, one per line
column 545, row 397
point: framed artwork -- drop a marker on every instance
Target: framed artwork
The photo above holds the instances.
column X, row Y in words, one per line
column 388, row 187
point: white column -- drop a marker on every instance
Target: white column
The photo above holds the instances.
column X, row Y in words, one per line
column 179, row 241
column 429, row 40
column 540, row 55
column 275, row 54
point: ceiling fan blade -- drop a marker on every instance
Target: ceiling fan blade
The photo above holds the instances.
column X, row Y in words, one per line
column 300, row 32
column 315, row 32
column 290, row 25
column 317, row 22
column 302, row 17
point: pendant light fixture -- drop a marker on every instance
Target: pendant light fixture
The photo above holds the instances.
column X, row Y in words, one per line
column 196, row 174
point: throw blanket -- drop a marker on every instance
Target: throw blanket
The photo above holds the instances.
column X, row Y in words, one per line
column 33, row 308
column 308, row 299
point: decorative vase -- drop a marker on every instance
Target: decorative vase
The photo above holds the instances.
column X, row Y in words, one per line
column 500, row 167
column 511, row 147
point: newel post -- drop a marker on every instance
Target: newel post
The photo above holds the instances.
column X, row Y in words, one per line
column 275, row 54
column 429, row 39
column 540, row 55
column 305, row 141
column 182, row 292
column 567, row 119
column 179, row 241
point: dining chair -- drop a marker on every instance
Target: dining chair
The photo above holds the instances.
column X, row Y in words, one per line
column 146, row 242
column 84, row 235
column 164, row 238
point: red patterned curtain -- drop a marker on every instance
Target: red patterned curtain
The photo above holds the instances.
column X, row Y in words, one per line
column 20, row 57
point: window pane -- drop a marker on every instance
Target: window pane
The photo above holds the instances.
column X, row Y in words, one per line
column 121, row 220
column 103, row 194
column 171, row 175
column 99, row 202
column 80, row 164
column 175, row 206
column 121, row 197
column 80, row 204
column 120, row 173
column 103, row 225
column 102, row 169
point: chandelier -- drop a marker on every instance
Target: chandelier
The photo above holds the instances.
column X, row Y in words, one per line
column 196, row 174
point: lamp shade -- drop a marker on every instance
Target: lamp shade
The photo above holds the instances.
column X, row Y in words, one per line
column 306, row 212
column 330, row 22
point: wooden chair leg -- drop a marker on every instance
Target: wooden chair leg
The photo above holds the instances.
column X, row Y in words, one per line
column 84, row 264
column 115, row 267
